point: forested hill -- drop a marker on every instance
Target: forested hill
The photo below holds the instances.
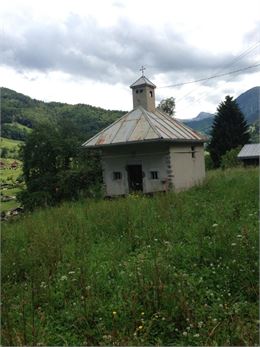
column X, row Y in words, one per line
column 20, row 113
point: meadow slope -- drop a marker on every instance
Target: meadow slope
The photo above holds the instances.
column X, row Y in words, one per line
column 174, row 269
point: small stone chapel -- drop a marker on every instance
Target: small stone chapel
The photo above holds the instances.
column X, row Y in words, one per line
column 148, row 151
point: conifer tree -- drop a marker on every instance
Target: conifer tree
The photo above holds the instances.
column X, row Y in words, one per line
column 229, row 130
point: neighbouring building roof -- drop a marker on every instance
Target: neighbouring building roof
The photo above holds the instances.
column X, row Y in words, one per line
column 250, row 151
column 142, row 81
column 139, row 125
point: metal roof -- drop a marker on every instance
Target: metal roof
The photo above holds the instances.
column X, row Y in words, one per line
column 250, row 151
column 139, row 125
column 142, row 81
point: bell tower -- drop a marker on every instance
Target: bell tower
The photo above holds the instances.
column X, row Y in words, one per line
column 143, row 93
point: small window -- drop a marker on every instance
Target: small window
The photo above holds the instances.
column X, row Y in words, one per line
column 137, row 91
column 192, row 151
column 117, row 175
column 151, row 93
column 141, row 90
column 154, row 175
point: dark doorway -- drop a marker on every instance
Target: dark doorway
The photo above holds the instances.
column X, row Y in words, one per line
column 135, row 178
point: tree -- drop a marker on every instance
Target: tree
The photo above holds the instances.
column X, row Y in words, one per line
column 229, row 130
column 56, row 167
column 168, row 106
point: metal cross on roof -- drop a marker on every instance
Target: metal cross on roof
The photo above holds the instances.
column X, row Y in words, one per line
column 142, row 69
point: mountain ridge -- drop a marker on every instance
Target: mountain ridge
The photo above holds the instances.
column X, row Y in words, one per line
column 20, row 113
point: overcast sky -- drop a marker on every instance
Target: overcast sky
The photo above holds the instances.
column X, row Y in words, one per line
column 91, row 51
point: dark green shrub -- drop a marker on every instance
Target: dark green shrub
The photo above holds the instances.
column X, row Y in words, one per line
column 209, row 165
column 229, row 159
column 31, row 200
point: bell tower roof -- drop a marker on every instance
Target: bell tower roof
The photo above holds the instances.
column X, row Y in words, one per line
column 142, row 81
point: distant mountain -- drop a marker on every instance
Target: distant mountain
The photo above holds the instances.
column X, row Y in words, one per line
column 203, row 125
column 203, row 115
column 249, row 103
column 200, row 116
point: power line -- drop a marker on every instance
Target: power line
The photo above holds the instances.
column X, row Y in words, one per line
column 232, row 62
column 211, row 77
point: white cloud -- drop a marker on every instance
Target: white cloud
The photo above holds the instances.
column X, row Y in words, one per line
column 91, row 51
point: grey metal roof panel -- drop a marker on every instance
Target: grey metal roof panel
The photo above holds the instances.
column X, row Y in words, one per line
column 250, row 151
column 142, row 81
column 140, row 125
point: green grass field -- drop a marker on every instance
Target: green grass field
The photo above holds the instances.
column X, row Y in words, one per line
column 9, row 143
column 174, row 269
column 10, row 176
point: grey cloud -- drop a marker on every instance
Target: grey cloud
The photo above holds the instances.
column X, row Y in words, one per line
column 82, row 48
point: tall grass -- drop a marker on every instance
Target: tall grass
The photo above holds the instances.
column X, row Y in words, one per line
column 174, row 269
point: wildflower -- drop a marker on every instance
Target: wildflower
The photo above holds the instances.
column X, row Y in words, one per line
column 239, row 236
column 233, row 244
column 185, row 333
column 214, row 320
column 114, row 313
column 63, row 278
column 71, row 272
column 140, row 327
column 214, row 225
column 142, row 313
column 196, row 335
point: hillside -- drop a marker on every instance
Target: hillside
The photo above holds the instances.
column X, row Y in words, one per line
column 20, row 113
column 175, row 269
